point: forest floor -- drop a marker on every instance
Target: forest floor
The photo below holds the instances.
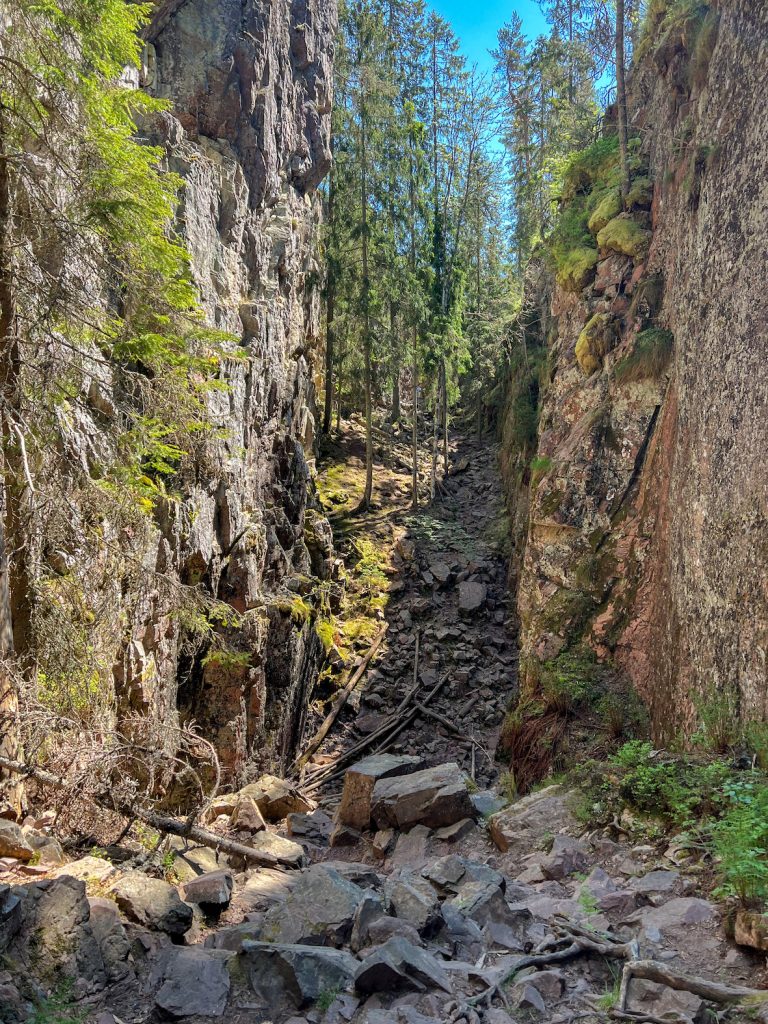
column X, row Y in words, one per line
column 450, row 633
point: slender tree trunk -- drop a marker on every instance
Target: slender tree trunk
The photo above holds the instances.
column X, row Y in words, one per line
column 444, row 388
column 330, row 311
column 571, row 91
column 367, row 495
column 395, row 413
column 433, row 473
column 621, row 98
column 415, row 426
column 14, row 591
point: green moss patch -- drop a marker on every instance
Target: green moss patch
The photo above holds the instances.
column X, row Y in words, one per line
column 595, row 342
column 576, row 269
column 624, row 235
column 610, row 206
column 640, row 196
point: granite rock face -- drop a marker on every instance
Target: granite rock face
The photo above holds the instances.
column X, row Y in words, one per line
column 644, row 528
column 247, row 129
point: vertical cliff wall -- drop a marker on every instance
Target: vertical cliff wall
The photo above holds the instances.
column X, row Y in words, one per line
column 647, row 529
column 200, row 607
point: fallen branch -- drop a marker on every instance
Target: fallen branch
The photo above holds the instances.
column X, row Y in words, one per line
column 169, row 826
column 340, row 701
column 712, row 991
column 385, row 735
column 441, row 719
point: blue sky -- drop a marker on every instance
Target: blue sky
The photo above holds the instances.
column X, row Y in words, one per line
column 476, row 23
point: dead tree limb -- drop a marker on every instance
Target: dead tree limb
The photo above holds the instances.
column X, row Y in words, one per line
column 712, row 991
column 341, row 700
column 169, row 826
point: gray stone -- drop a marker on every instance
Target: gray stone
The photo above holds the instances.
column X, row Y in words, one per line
column 111, row 936
column 49, row 850
column 368, row 911
column 472, row 597
column 413, row 899
column 360, row 780
column 566, row 858
column 676, row 914
column 246, row 816
column 195, row 983
column 152, row 903
column 13, row 842
column 213, row 889
column 320, row 911
column 384, row 928
column 483, row 902
column 398, row 965
column 524, row 826
column 445, row 872
column 434, row 797
column 313, row 827
column 527, row 997
column 453, row 833
column 656, row 883
column 285, row 851
column 86, row 869
column 297, row 973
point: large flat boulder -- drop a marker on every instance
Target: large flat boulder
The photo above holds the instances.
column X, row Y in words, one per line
column 433, row 797
column 319, row 911
column 211, row 890
column 299, row 974
column 195, row 983
column 359, row 782
column 153, row 903
column 13, row 842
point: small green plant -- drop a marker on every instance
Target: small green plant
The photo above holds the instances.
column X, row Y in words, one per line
column 740, row 841
column 59, row 1007
column 588, row 902
column 508, row 786
column 326, row 999
column 471, row 785
column 610, row 998
column 720, row 726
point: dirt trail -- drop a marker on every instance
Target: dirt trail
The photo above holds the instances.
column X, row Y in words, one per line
column 449, row 590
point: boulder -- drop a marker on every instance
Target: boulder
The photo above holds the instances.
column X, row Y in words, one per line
column 111, row 936
column 398, row 965
column 86, row 869
column 246, row 816
column 369, row 910
column 276, row 798
column 483, row 902
column 658, row 1001
column 284, row 850
column 413, row 899
column 48, row 850
column 382, row 929
column 297, row 973
column 524, row 826
column 566, row 858
column 152, row 903
column 320, row 911
column 10, row 915
column 13, row 842
column 676, row 914
column 472, row 597
column 359, row 782
column 195, row 982
column 210, row 891
column 751, row 929
column 433, row 797
column 314, row 827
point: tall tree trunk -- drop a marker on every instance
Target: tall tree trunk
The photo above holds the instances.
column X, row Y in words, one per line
column 14, row 591
column 415, row 427
column 330, row 312
column 621, row 98
column 444, row 389
column 395, row 413
column 366, row 296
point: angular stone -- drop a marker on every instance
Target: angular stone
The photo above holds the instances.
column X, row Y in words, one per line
column 276, row 798
column 523, row 827
column 359, row 782
column 384, row 928
column 656, row 883
column 483, row 902
column 49, row 850
column 472, row 597
column 319, row 911
column 285, row 850
column 111, row 936
column 434, row 797
column 299, row 973
column 658, row 1001
column 751, row 929
column 246, row 816
column 195, row 983
column 368, row 911
column 313, row 827
column 13, row 842
column 398, row 965
column 413, row 899
column 344, row 835
column 528, row 998
column 566, row 858
column 352, row 871
column 676, row 914
column 445, row 872
column 152, row 903
column 213, row 889
column 382, row 842
column 459, row 830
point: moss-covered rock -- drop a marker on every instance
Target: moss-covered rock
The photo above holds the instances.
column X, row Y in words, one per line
column 649, row 357
column 577, row 269
column 610, row 206
column 625, row 235
column 595, row 342
column 640, row 194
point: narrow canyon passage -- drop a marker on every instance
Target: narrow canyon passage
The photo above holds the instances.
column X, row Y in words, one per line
column 442, row 679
